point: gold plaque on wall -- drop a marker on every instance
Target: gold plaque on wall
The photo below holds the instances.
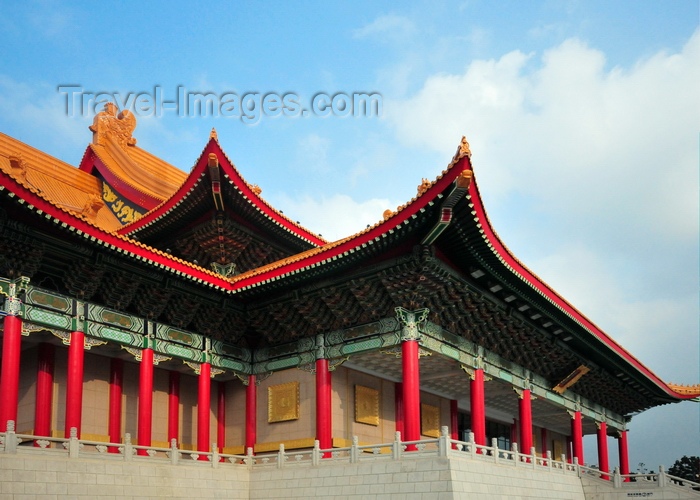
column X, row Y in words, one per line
column 283, row 402
column 430, row 420
column 366, row 405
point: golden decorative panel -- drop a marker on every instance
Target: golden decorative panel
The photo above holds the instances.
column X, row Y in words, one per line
column 430, row 420
column 283, row 402
column 366, row 405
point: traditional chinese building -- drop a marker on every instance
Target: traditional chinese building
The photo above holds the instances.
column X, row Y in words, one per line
column 142, row 299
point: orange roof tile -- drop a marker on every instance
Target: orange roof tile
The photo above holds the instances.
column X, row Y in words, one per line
column 60, row 183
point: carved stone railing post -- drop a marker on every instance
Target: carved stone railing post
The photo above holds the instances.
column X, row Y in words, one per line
column 577, row 467
column 549, row 460
column 516, row 455
column 316, row 453
column 174, row 453
column 215, row 455
column 73, row 443
column 10, row 438
column 533, row 454
column 397, row 448
column 249, row 460
column 280, row 456
column 663, row 480
column 443, row 441
column 128, row 448
column 354, row 457
column 617, row 478
column 496, row 452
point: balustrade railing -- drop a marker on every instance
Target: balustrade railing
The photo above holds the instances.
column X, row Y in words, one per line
column 443, row 446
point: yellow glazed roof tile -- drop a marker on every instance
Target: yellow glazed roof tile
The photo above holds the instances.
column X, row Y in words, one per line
column 62, row 184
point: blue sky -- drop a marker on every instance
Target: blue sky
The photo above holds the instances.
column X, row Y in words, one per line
column 583, row 117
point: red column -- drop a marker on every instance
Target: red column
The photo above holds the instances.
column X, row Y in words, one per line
column 577, row 436
column 44, row 391
column 603, row 463
column 525, row 415
column 398, row 408
column 116, row 385
column 624, row 453
column 454, row 422
column 478, row 407
column 173, row 406
column 411, row 391
column 9, row 377
column 251, row 413
column 221, row 416
column 324, row 431
column 204, row 409
column 74, row 383
column 145, row 407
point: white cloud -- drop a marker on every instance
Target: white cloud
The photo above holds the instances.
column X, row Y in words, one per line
column 388, row 27
column 38, row 111
column 571, row 124
column 312, row 153
column 590, row 175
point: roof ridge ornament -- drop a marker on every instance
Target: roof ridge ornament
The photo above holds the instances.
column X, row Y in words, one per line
column 463, row 150
column 117, row 126
column 690, row 390
column 214, row 135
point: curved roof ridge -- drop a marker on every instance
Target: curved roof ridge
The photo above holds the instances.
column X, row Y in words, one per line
column 511, row 262
column 391, row 221
column 82, row 225
column 253, row 194
column 247, row 190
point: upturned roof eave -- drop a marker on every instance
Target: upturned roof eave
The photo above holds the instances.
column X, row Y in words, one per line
column 110, row 240
column 230, row 172
column 522, row 274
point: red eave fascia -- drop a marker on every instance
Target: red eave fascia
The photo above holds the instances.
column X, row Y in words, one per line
column 118, row 243
column 230, row 171
column 140, row 198
column 526, row 275
column 335, row 250
column 166, row 206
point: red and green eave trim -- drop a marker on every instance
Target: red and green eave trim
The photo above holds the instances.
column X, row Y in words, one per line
column 230, row 172
column 317, row 256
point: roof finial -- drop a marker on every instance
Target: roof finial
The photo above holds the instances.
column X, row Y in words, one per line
column 117, row 125
column 213, row 134
column 463, row 150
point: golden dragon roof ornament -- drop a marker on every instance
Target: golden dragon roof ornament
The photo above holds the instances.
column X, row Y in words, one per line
column 118, row 126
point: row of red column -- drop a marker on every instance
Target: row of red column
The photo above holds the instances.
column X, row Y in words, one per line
column 9, row 390
column 408, row 414
column 407, row 402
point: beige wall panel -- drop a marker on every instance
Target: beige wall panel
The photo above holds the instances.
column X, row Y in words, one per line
column 188, row 410
column 388, row 415
column 302, row 428
column 235, row 412
column 366, row 433
column 95, row 410
column 342, row 410
column 161, row 382
column 130, row 398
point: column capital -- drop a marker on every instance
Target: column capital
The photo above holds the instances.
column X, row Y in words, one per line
column 410, row 321
column 320, row 350
column 521, row 393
